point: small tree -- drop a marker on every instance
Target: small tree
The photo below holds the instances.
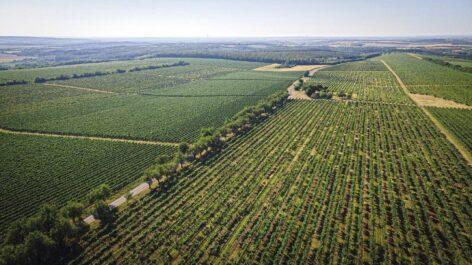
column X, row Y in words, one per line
column 73, row 210
column 183, row 148
column 100, row 193
column 105, row 213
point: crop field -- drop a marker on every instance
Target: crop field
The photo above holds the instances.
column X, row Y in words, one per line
column 459, row 121
column 367, row 80
column 318, row 182
column 172, row 119
column 38, row 170
column 424, row 77
column 197, row 67
column 167, row 104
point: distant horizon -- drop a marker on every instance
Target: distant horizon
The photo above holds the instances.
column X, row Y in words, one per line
column 239, row 37
column 244, row 18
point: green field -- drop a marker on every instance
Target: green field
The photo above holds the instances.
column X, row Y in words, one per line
column 458, row 121
column 456, row 61
column 423, row 77
column 323, row 182
column 38, row 170
column 366, row 80
column 168, row 104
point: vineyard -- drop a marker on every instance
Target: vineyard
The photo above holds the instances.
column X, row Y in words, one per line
column 38, row 170
column 424, row 77
column 459, row 121
column 366, row 81
column 318, row 182
column 166, row 104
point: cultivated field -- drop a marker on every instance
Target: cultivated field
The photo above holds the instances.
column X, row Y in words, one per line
column 459, row 122
column 166, row 104
column 370, row 179
column 366, row 80
column 424, row 77
column 39, row 169
column 319, row 182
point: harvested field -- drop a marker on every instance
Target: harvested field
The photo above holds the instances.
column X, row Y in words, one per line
column 432, row 101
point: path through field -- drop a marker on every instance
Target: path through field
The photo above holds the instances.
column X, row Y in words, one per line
column 88, row 137
column 415, row 56
column 80, row 88
column 294, row 94
column 449, row 136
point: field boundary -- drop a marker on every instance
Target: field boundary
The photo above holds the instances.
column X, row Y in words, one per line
column 449, row 136
column 81, row 88
column 93, row 138
column 415, row 56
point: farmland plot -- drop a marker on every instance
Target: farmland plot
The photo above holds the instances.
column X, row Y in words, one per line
column 367, row 80
column 38, row 170
column 166, row 104
column 424, row 77
column 319, row 182
column 458, row 121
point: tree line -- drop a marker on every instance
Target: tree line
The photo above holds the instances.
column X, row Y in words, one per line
column 14, row 82
column 448, row 64
column 52, row 235
column 100, row 73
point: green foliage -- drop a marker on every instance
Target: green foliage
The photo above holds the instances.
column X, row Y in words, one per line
column 458, row 121
column 102, row 192
column 45, row 238
column 105, row 213
column 38, row 170
column 317, row 182
column 428, row 78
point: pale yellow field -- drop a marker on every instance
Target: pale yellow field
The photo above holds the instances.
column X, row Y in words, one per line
column 297, row 68
column 431, row 101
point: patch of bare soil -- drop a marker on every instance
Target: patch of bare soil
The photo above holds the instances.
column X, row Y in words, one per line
column 432, row 101
column 297, row 68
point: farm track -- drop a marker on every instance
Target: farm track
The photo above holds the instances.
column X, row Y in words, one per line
column 81, row 88
column 94, row 138
column 449, row 136
column 415, row 56
column 154, row 95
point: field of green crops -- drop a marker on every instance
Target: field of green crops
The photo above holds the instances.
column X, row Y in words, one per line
column 167, row 104
column 366, row 80
column 458, row 121
column 424, row 77
column 38, row 170
column 319, row 182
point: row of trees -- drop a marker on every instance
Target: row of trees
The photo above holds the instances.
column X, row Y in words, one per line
column 51, row 235
column 45, row 238
column 13, row 82
column 100, row 73
column 210, row 142
column 152, row 67
column 447, row 64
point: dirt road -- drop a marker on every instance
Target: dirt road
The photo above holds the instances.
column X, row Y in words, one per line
column 449, row 136
column 88, row 137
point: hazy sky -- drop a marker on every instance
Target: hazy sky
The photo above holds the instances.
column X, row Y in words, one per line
column 200, row 18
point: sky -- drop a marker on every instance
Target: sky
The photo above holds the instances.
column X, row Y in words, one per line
column 235, row 18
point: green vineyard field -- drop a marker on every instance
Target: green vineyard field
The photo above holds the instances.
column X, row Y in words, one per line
column 458, row 121
column 423, row 77
column 38, row 170
column 319, row 182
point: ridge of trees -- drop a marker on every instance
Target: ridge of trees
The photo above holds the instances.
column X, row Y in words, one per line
column 100, row 73
column 53, row 234
column 14, row 82
column 211, row 141
column 448, row 64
